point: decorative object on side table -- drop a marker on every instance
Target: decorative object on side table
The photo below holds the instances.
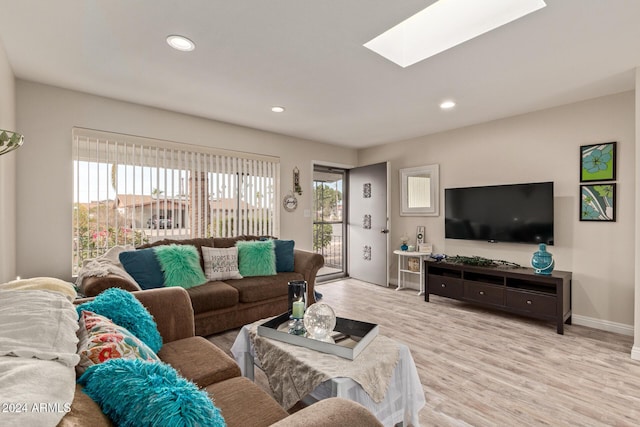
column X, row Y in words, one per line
column 404, row 239
column 319, row 321
column 542, row 261
column 413, row 264
column 9, row 141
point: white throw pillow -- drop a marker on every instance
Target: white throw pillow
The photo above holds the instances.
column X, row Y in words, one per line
column 221, row 263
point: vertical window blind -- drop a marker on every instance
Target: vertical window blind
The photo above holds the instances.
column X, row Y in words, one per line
column 134, row 190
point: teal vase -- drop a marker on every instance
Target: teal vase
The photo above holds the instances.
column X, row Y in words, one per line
column 404, row 247
column 542, row 261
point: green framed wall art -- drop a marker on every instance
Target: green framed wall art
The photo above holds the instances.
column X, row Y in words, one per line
column 598, row 162
column 598, row 202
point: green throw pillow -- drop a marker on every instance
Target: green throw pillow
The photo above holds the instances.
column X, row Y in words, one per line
column 180, row 265
column 256, row 258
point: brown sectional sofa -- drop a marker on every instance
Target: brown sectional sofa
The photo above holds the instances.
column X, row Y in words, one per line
column 241, row 402
column 223, row 305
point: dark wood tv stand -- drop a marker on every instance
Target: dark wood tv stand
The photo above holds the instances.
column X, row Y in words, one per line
column 512, row 289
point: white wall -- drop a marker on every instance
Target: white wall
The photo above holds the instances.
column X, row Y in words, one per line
column 7, row 173
column 45, row 175
column 539, row 146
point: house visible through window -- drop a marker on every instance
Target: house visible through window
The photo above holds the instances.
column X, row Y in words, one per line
column 133, row 190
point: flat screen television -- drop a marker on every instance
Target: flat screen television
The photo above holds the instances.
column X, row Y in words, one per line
column 520, row 213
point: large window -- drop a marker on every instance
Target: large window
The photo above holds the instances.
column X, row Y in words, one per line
column 132, row 190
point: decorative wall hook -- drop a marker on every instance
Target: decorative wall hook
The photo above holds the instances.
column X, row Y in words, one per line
column 296, row 181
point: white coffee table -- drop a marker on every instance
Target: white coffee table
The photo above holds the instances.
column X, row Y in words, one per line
column 403, row 400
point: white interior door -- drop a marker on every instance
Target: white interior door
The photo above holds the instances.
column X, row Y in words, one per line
column 367, row 224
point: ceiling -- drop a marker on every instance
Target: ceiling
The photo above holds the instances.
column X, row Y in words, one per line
column 308, row 57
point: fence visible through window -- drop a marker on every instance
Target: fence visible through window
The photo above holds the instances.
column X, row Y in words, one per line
column 131, row 190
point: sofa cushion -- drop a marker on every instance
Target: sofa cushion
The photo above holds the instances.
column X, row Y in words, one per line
column 144, row 267
column 100, row 340
column 256, row 258
column 213, row 296
column 243, row 403
column 125, row 310
column 221, row 263
column 260, row 288
column 199, row 360
column 180, row 265
column 84, row 412
column 139, row 393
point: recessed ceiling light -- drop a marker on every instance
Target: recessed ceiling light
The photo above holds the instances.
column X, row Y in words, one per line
column 180, row 43
column 277, row 109
column 445, row 24
column 447, row 105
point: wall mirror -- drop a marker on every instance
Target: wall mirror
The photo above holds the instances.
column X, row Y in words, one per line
column 419, row 190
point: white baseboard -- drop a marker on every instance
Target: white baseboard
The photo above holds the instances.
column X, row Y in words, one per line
column 635, row 352
column 604, row 325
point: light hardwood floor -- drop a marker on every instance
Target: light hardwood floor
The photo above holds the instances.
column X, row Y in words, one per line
column 485, row 368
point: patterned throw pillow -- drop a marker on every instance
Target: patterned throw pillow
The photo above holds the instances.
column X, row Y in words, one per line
column 125, row 310
column 221, row 263
column 100, row 340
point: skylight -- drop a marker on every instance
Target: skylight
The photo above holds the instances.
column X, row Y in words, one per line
column 445, row 24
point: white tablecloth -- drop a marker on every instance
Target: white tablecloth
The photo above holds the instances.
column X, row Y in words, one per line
column 403, row 401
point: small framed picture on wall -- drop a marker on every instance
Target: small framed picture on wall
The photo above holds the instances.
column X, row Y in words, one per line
column 598, row 202
column 598, row 162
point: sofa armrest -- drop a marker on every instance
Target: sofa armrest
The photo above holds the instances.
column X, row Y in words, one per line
column 93, row 285
column 308, row 264
column 332, row 412
column 171, row 308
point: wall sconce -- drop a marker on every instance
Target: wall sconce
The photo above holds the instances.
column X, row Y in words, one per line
column 9, row 141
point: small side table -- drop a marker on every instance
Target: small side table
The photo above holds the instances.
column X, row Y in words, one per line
column 403, row 267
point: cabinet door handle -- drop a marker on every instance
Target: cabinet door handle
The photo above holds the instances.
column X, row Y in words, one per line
column 443, row 285
column 529, row 302
column 481, row 292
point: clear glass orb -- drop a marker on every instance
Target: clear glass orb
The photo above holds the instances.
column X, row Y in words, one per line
column 319, row 321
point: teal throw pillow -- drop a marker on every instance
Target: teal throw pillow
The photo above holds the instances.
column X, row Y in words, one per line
column 138, row 393
column 144, row 267
column 125, row 310
column 180, row 265
column 256, row 258
column 284, row 255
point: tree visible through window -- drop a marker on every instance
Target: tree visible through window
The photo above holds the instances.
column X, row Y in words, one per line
column 131, row 190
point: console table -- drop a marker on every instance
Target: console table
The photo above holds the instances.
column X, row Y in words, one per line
column 512, row 289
